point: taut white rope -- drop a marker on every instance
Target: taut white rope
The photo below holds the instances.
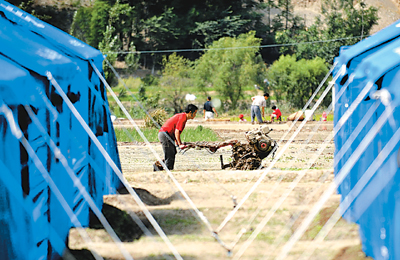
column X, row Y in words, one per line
column 276, row 206
column 232, row 213
column 198, row 212
column 339, row 177
column 113, row 166
column 14, row 187
column 158, row 126
column 352, row 195
column 46, row 176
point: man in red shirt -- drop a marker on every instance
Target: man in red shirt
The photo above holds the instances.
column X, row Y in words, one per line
column 170, row 134
column 276, row 114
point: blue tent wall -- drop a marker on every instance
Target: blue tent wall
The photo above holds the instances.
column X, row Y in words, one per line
column 375, row 60
column 33, row 221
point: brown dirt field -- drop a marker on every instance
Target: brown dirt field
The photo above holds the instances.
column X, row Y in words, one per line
column 211, row 189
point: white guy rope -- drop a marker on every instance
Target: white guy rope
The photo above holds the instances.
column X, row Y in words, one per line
column 271, row 212
column 291, row 187
column 76, row 180
column 158, row 126
column 353, row 135
column 55, row 114
column 46, row 176
column 297, row 118
column 271, row 191
column 285, row 230
column 357, row 189
column 360, row 126
column 341, row 72
column 113, row 165
column 198, row 212
column 339, row 177
column 232, row 213
column 14, row 187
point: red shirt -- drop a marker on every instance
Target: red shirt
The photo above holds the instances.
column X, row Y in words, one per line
column 277, row 112
column 178, row 121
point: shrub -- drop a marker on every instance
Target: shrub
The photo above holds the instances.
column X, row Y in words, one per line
column 157, row 118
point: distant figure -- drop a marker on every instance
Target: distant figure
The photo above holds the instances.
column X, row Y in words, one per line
column 258, row 102
column 276, row 114
column 170, row 135
column 324, row 116
column 241, row 118
column 209, row 110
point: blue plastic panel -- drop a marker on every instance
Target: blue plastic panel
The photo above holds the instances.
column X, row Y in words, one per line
column 375, row 60
column 34, row 223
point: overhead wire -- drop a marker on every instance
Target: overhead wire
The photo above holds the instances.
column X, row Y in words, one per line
column 233, row 48
column 314, row 92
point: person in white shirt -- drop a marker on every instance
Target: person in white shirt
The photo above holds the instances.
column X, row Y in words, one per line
column 258, row 107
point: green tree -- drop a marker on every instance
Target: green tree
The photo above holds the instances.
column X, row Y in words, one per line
column 121, row 18
column 110, row 45
column 295, row 81
column 175, row 78
column 98, row 22
column 212, row 30
column 80, row 27
column 159, row 31
column 340, row 19
column 132, row 59
column 230, row 67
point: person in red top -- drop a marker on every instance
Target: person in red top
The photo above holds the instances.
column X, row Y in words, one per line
column 276, row 114
column 170, row 134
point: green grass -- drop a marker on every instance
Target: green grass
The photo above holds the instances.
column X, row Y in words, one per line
column 190, row 134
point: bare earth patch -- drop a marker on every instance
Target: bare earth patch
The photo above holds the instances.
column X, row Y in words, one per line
column 215, row 192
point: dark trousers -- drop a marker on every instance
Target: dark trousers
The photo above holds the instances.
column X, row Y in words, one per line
column 169, row 148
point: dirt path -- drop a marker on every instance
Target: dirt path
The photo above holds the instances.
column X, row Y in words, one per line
column 212, row 191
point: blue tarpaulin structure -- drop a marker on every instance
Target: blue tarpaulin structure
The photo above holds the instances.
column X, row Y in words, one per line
column 34, row 223
column 367, row 159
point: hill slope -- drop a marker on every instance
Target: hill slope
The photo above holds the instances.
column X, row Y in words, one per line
column 388, row 11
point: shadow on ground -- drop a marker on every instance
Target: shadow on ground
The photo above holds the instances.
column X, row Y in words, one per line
column 351, row 253
column 172, row 221
column 149, row 199
column 85, row 254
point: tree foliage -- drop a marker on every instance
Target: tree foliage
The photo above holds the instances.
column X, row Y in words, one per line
column 175, row 78
column 295, row 81
column 229, row 67
column 168, row 24
column 110, row 44
column 340, row 19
